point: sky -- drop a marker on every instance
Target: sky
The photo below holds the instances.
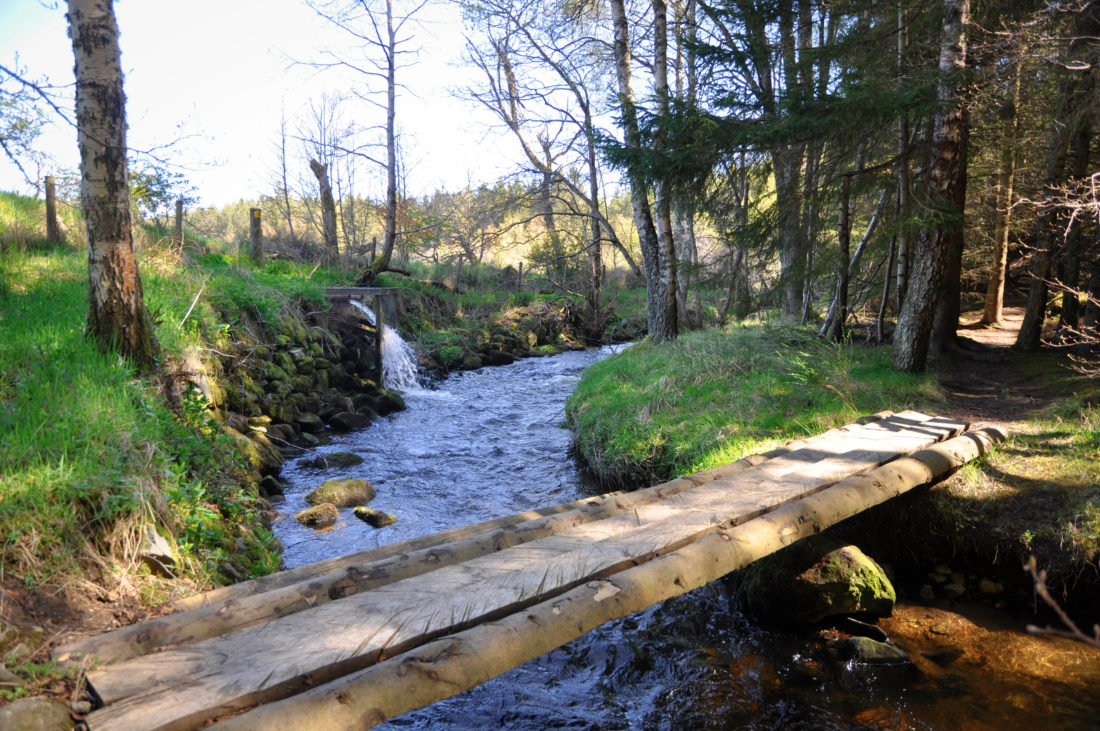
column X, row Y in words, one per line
column 213, row 76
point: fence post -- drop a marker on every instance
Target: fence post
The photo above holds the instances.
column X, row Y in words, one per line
column 177, row 234
column 53, row 231
column 379, row 326
column 256, row 235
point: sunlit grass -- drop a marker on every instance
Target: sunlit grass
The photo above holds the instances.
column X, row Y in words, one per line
column 90, row 454
column 711, row 397
column 1040, row 492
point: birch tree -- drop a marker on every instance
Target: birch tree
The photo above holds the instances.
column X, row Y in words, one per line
column 117, row 317
column 662, row 320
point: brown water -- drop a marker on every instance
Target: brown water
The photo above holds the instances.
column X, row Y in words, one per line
column 489, row 443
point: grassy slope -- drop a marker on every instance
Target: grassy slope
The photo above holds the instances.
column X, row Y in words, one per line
column 90, row 455
column 714, row 396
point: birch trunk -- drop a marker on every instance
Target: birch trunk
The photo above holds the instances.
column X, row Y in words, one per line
column 639, row 189
column 666, row 325
column 117, row 318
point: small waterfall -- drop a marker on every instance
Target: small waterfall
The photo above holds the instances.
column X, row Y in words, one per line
column 399, row 371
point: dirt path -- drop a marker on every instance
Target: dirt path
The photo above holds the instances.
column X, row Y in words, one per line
column 987, row 382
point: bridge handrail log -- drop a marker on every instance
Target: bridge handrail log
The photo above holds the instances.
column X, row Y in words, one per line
column 458, row 662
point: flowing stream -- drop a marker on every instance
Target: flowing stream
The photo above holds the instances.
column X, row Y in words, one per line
column 488, row 443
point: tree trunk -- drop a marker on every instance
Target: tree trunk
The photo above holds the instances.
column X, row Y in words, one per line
column 787, row 164
column 117, row 317
column 328, row 209
column 53, row 231
column 904, row 237
column 256, row 235
column 913, row 333
column 639, row 189
column 880, row 321
column 1072, row 117
column 1003, row 199
column 666, row 324
column 853, row 265
column 595, row 245
column 1071, row 264
column 389, row 237
column 945, row 323
column 844, row 238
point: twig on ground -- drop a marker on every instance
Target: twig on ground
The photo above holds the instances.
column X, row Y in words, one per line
column 1073, row 633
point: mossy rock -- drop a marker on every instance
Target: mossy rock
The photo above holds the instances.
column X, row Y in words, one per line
column 349, row 421
column 375, row 518
column 36, row 714
column 471, row 362
column 498, row 358
column 274, row 372
column 812, row 580
column 319, row 516
column 310, row 423
column 336, row 459
column 260, row 452
column 302, row 384
column 389, row 402
column 284, row 361
column 344, row 493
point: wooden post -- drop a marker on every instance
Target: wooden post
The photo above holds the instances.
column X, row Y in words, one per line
column 379, row 325
column 256, row 235
column 177, row 235
column 53, row 231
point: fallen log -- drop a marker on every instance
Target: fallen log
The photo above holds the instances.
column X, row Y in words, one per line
column 453, row 664
column 375, row 568
column 185, row 686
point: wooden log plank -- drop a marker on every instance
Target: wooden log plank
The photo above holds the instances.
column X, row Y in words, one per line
column 267, row 661
column 597, row 532
column 453, row 664
column 228, row 616
column 339, row 563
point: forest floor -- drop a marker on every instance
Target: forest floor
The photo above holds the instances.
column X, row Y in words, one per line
column 984, row 381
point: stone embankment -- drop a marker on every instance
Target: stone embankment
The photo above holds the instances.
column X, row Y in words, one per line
column 280, row 397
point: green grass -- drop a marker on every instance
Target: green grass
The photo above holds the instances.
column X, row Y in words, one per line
column 90, row 454
column 1040, row 492
column 711, row 397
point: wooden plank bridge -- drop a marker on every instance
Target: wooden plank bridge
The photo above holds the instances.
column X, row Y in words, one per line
column 352, row 641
